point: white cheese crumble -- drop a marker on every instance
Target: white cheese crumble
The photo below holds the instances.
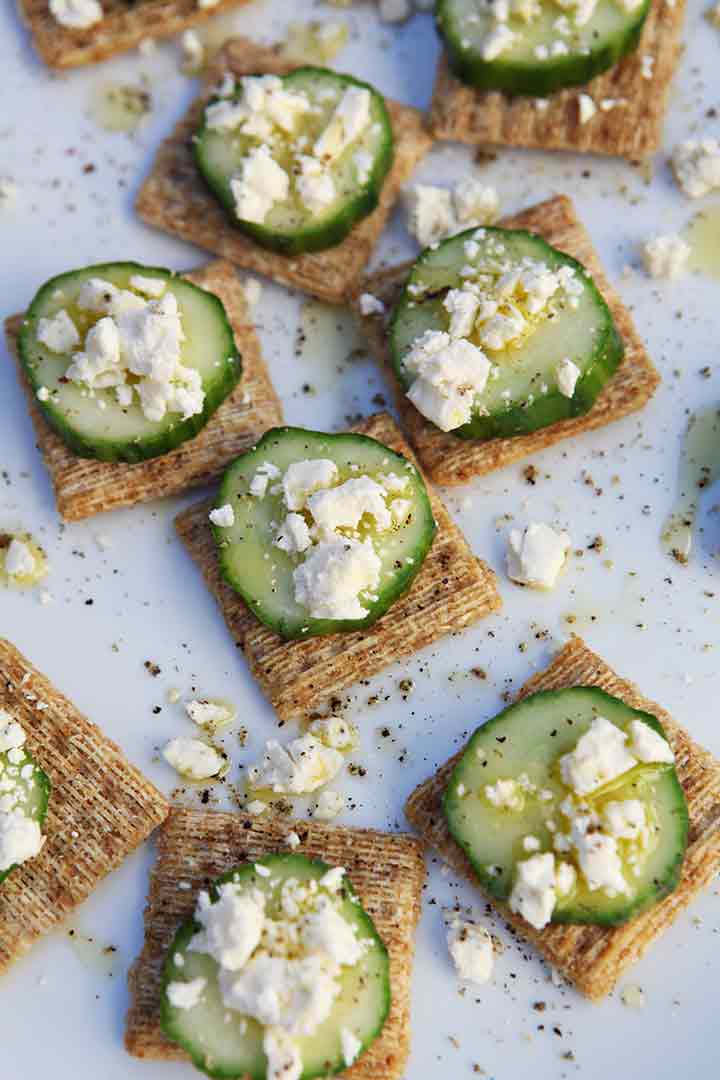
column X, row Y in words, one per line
column 20, row 839
column 336, row 733
column 470, row 947
column 259, row 184
column 148, row 286
column 586, row 108
column 334, row 577
column 696, row 164
column 76, row 14
column 450, row 374
column 261, row 479
column 299, row 768
column 435, row 213
column 533, row 893
column 568, row 374
column 186, row 995
column 647, row 745
column 475, row 203
column 19, row 559
column 344, row 506
column 350, row 1045
column 666, row 256
column 505, row 795
column 348, row 122
column 223, row 516
column 329, row 805
column 302, row 478
column 210, row 715
column 20, row 835
column 370, row 305
column 59, row 333
column 536, row 556
column 600, row 755
column 193, row 759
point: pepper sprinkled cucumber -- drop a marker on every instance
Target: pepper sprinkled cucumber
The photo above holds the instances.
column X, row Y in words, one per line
column 296, row 161
column 497, row 333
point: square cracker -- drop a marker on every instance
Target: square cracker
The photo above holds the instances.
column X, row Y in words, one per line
column 84, row 486
column 101, row 808
column 448, row 459
column 176, row 199
column 452, row 590
column 387, row 870
column 123, row 27
column 594, row 957
column 632, row 129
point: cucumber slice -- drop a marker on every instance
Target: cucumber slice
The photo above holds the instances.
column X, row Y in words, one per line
column 292, row 224
column 225, row 1043
column 95, row 424
column 535, row 47
column 29, row 793
column 266, row 575
column 524, row 744
column 524, row 389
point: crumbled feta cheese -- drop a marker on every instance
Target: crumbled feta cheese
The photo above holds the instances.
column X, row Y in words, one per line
column 259, row 184
column 76, row 14
column 300, row 768
column 536, row 556
column 696, row 164
column 666, row 256
column 586, row 108
column 626, row 819
column 462, row 306
column 231, row 927
column 256, row 807
column 450, row 375
column 370, row 305
column 565, row 878
column 567, row 374
column 505, row 795
column 58, row 334
column 12, row 735
column 430, row 213
column 329, row 805
column 335, row 732
column 149, row 286
column 211, row 715
column 284, row 1061
column 475, row 203
column 648, row 745
column 302, row 478
column 500, row 40
column 344, row 506
column 363, row 162
column 334, row 576
column 349, row 120
column 20, row 839
column 263, row 475
column 193, row 759
column 599, row 861
column 19, row 559
column 533, row 893
column 350, row 1045
column 223, row 516
column 470, row 947
column 531, row 843
column 293, row 840
column 600, row 755
column 186, row 995
column 293, row 536
column 43, row 394
column 314, row 184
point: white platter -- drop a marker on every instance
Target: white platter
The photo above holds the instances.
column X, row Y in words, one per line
column 62, row 1008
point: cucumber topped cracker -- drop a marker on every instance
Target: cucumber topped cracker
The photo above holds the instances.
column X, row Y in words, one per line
column 535, row 47
column 497, row 333
column 296, row 161
column 279, row 974
column 24, row 796
column 569, row 808
column 321, row 533
column 127, row 361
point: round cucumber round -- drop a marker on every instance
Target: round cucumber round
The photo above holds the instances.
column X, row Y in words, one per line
column 541, row 58
column 524, row 394
column 290, row 228
column 527, row 740
column 262, row 574
column 34, row 791
column 226, row 1044
column 98, row 426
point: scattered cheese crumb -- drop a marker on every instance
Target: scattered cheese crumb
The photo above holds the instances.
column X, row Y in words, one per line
column 586, row 108
column 471, row 948
column 370, row 305
column 193, row 759
column 536, row 556
column 222, row 516
column 329, row 805
column 666, row 256
column 696, row 164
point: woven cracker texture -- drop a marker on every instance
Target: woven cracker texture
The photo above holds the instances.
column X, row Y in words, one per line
column 448, row 459
column 84, row 487
column 195, row 847
column 594, row 957
column 101, row 808
column 176, row 199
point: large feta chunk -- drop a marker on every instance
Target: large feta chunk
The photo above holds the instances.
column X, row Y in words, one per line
column 533, row 893
column 430, row 213
column 462, row 307
column 98, row 364
column 12, row 735
column 76, row 14
column 315, row 185
column 470, row 947
column 58, row 334
column 284, row 1061
column 350, row 1046
column 296, row 995
column 20, row 839
column 666, row 256
column 600, row 755
column 260, row 183
column 231, row 927
column 334, row 577
column 293, row 536
column 349, row 120
column 567, row 374
column 345, row 506
column 450, row 376
column 299, row 768
column 475, row 203
column 193, row 758
column 599, row 860
column 262, row 477
column 222, row 516
column 648, row 745
column 149, row 286
column 302, row 478
column 19, row 559
column 625, row 819
column 536, row 556
column 186, row 995
column 696, row 164
column 329, row 805
column 336, row 732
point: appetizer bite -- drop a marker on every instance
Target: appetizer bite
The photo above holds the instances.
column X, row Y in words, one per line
column 280, row 972
column 278, row 162
column 592, row 77
column 286, row 952
column 289, row 563
column 141, row 383
column 321, row 534
column 71, row 807
column 69, row 33
column 584, row 812
column 504, row 340
column 296, row 161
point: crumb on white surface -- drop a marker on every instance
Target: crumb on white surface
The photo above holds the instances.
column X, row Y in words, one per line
column 666, row 256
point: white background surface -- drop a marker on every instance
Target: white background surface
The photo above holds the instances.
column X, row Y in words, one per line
column 62, row 1009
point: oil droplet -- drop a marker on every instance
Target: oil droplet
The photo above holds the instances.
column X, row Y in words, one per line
column 703, row 235
column 327, row 337
column 697, row 470
column 119, row 106
column 93, row 954
column 40, row 565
